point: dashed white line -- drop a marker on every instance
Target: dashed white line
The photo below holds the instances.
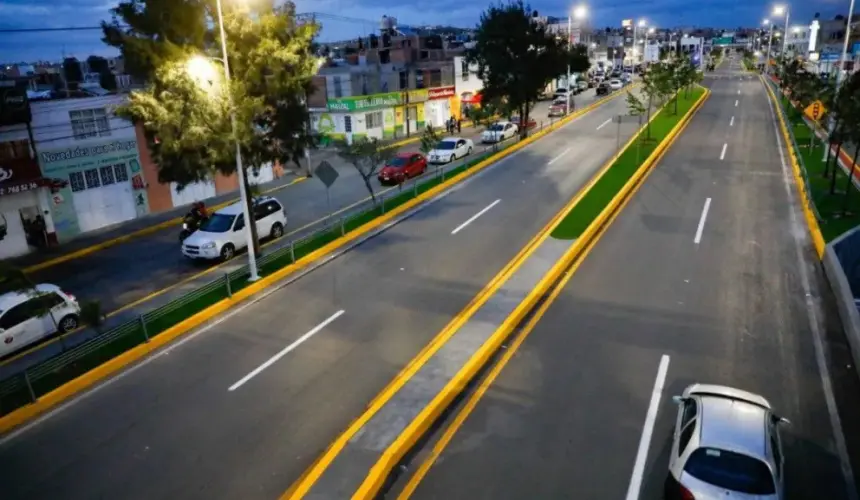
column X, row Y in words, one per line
column 732, row 122
column 647, row 431
column 558, row 157
column 736, row 103
column 607, row 122
column 723, row 152
column 739, row 91
column 472, row 218
column 285, row 351
column 699, row 230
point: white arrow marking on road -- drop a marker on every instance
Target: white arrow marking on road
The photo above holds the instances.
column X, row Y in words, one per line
column 732, row 122
column 286, row 351
column 698, row 238
column 648, row 430
column 558, row 157
column 723, row 152
column 607, row 122
column 472, row 218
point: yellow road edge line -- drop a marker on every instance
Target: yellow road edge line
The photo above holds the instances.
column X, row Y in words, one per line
column 420, row 424
column 51, row 399
column 811, row 220
column 136, row 234
column 301, row 486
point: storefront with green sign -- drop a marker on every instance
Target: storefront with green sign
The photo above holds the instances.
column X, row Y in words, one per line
column 104, row 185
column 382, row 116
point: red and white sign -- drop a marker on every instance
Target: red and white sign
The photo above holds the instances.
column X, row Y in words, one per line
column 441, row 92
column 19, row 175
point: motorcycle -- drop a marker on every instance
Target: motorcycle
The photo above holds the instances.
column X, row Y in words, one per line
column 189, row 225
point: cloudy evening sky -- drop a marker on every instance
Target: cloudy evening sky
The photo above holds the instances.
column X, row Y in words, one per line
column 665, row 13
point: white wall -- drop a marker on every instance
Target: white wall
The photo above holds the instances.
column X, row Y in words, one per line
column 471, row 82
column 52, row 127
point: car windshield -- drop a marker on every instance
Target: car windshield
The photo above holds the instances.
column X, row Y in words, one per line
column 446, row 145
column 496, row 127
column 218, row 223
column 397, row 162
column 730, row 470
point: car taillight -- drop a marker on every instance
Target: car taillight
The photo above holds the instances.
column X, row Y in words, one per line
column 72, row 297
column 686, row 494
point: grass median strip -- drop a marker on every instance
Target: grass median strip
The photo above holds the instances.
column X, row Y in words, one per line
column 593, row 203
column 22, row 389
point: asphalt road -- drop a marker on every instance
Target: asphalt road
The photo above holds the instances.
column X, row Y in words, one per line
column 124, row 273
column 565, row 416
column 173, row 429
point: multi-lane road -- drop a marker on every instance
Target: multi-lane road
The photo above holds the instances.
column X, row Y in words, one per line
column 706, row 270
column 242, row 408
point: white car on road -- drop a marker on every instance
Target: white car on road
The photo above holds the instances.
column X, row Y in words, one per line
column 615, row 84
column 449, row 149
column 499, row 131
column 29, row 316
column 223, row 234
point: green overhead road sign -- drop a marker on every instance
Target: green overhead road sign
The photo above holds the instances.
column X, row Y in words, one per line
column 723, row 40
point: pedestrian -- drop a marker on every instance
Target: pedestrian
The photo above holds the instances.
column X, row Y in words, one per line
column 459, row 125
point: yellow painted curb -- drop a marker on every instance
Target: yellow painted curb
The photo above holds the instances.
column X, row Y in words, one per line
column 101, row 372
column 136, row 234
column 805, row 202
column 421, row 423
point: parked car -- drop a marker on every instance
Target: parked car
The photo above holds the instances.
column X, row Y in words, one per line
column 615, row 84
column 223, row 234
column 558, row 108
column 516, row 121
column 28, row 316
column 582, row 85
column 560, row 93
column 498, row 132
column 603, row 88
column 402, row 167
column 449, row 149
column 726, row 444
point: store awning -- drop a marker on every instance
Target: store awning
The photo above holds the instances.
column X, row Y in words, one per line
column 471, row 98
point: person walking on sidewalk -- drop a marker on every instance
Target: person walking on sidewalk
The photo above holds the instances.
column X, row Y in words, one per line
column 459, row 126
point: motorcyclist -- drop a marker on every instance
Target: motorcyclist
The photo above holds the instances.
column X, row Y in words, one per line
column 198, row 212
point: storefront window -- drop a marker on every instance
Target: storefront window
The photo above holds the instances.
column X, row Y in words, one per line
column 76, row 181
column 92, row 178
column 120, row 172
column 106, row 175
column 374, row 119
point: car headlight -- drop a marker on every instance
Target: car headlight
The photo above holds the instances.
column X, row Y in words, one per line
column 184, row 225
column 208, row 244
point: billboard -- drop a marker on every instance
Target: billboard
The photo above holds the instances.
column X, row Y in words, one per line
column 626, row 23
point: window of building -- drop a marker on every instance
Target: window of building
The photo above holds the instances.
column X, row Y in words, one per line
column 373, row 120
column 12, row 150
column 419, row 80
column 76, row 181
column 412, row 113
column 338, row 87
column 465, row 70
column 120, row 172
column 92, row 178
column 404, row 80
column 106, row 174
column 435, row 77
column 88, row 123
column 347, row 124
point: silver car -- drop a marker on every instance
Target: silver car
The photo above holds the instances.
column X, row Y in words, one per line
column 726, row 445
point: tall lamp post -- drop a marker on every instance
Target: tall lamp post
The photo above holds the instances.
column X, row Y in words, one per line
column 641, row 24
column 778, row 11
column 769, row 42
column 579, row 13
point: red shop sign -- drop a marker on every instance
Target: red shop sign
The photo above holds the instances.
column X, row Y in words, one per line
column 19, row 175
column 441, row 92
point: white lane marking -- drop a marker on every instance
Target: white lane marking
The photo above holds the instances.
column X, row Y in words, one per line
column 732, row 122
column 285, row 351
column 607, row 122
column 739, row 91
column 736, row 103
column 702, row 220
column 472, row 218
column 647, row 431
column 559, row 156
column 723, row 152
column 813, row 315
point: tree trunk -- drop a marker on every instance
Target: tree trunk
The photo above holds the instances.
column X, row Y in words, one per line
column 648, row 120
column 835, row 166
column 369, row 186
column 677, row 94
column 850, row 179
column 252, row 224
column 526, row 113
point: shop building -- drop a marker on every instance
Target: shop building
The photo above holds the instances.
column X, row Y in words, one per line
column 467, row 87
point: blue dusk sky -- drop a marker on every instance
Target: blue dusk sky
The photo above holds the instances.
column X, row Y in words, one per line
column 16, row 47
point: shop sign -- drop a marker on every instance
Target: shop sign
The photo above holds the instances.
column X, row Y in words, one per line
column 19, row 175
column 83, row 157
column 19, row 188
column 365, row 102
column 442, row 92
column 419, row 95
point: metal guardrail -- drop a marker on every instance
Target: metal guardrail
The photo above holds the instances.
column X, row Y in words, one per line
column 29, row 385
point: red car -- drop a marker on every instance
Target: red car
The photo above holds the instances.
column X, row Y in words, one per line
column 402, row 167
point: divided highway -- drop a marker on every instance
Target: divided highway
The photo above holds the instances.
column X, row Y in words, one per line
column 708, row 265
column 241, row 409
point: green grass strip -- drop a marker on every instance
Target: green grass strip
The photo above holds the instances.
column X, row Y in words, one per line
column 838, row 212
column 598, row 197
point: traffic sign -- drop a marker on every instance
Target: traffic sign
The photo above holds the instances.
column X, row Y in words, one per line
column 326, row 173
column 815, row 111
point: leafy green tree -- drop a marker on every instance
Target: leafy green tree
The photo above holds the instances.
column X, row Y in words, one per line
column 429, row 139
column 366, row 155
column 516, row 56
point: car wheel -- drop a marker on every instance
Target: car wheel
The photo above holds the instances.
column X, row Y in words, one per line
column 227, row 252
column 68, row 323
column 469, row 151
column 277, row 230
column 451, row 160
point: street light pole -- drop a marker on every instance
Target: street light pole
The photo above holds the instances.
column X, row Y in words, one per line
column 769, row 50
column 579, row 13
column 240, row 169
column 785, row 33
column 839, row 74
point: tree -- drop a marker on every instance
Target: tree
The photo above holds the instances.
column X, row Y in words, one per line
column 72, row 70
column 516, row 56
column 366, row 155
column 188, row 118
column 429, row 139
column 99, row 65
column 657, row 85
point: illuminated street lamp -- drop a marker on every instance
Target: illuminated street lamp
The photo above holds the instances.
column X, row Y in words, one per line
column 778, row 11
column 578, row 12
column 769, row 42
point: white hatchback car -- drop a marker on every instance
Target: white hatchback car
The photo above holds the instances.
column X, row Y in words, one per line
column 223, row 234
column 449, row 149
column 27, row 317
column 499, row 131
column 615, row 84
column 725, row 445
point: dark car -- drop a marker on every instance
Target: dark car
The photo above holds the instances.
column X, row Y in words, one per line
column 603, row 88
column 402, row 167
column 516, row 121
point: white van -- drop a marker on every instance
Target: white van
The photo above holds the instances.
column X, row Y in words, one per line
column 27, row 317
